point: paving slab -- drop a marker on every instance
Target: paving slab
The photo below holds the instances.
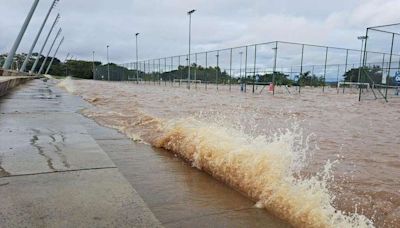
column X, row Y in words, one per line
column 90, row 198
column 38, row 143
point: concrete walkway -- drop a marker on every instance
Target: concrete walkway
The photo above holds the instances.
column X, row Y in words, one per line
column 60, row 169
column 53, row 173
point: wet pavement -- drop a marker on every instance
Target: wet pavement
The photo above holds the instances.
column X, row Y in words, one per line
column 53, row 161
column 53, row 173
column 180, row 195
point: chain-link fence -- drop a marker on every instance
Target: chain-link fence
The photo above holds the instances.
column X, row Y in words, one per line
column 254, row 68
column 381, row 71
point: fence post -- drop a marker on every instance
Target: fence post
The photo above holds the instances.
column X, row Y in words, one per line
column 165, row 68
column 347, row 57
column 291, row 72
column 245, row 69
column 337, row 78
column 274, row 69
column 301, row 66
column 230, row 70
column 195, row 71
column 172, row 66
column 383, row 64
column 206, row 71
column 365, row 48
column 345, row 67
column 364, row 61
column 179, row 71
column 159, row 71
column 145, row 71
column 217, row 69
column 153, row 72
column 389, row 68
column 254, row 67
column 326, row 60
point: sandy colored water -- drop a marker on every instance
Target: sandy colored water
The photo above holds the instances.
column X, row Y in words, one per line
column 314, row 159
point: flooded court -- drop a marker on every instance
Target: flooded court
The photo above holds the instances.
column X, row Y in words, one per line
column 313, row 160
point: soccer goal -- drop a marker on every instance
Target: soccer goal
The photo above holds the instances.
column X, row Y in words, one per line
column 389, row 91
column 180, row 81
column 135, row 79
column 357, row 85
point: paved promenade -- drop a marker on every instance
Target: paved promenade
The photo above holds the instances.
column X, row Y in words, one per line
column 60, row 169
column 52, row 171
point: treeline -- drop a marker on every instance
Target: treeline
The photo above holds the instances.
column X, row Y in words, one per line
column 372, row 75
column 84, row 69
column 75, row 68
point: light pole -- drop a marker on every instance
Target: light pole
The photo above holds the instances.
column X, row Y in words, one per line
column 8, row 62
column 362, row 38
column 190, row 33
column 108, row 65
column 137, row 58
column 28, row 56
column 94, row 69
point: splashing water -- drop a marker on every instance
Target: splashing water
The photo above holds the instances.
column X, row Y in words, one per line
column 262, row 168
column 67, row 84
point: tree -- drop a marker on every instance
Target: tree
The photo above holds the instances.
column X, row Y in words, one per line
column 306, row 79
column 367, row 75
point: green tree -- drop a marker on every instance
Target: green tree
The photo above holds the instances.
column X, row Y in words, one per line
column 308, row 79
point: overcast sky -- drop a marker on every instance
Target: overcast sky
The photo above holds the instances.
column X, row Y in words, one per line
column 163, row 25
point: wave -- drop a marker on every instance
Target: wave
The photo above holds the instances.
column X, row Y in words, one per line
column 262, row 168
column 67, row 84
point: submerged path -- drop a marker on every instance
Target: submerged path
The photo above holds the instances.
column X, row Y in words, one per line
column 60, row 169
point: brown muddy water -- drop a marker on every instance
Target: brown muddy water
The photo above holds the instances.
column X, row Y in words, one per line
column 314, row 159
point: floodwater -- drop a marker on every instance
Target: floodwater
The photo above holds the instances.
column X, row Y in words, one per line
column 313, row 160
